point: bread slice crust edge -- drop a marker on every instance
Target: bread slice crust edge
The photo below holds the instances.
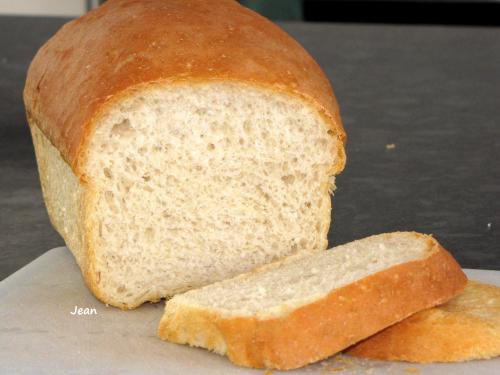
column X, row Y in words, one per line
column 325, row 327
column 437, row 335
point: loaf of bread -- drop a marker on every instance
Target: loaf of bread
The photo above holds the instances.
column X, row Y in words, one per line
column 308, row 307
column 181, row 142
column 466, row 327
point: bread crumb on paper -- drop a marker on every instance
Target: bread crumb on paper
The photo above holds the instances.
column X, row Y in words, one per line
column 412, row 370
column 338, row 364
column 331, row 370
column 390, row 146
column 337, row 369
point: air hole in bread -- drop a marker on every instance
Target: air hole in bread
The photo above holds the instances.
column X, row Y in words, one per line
column 123, row 129
column 121, row 289
column 107, row 173
column 322, row 142
column 247, row 127
column 131, row 164
column 288, row 179
column 318, row 226
column 110, row 201
column 149, row 234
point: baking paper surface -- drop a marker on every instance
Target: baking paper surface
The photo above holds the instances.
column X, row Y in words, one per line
column 39, row 335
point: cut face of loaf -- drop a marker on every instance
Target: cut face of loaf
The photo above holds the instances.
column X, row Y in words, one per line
column 190, row 184
column 181, row 142
column 308, row 307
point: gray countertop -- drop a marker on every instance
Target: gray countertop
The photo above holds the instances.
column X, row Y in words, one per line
column 432, row 92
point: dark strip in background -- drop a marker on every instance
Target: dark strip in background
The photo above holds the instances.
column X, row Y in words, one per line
column 403, row 12
column 427, row 12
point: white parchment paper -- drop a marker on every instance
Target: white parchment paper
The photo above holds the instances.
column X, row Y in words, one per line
column 39, row 335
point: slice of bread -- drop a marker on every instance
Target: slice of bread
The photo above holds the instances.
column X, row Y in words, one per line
column 466, row 327
column 181, row 142
column 308, row 307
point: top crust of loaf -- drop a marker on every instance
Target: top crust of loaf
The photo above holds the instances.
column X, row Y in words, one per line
column 97, row 59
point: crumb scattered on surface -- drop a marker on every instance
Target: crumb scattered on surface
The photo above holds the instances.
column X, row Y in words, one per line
column 488, row 226
column 338, row 364
column 337, row 369
column 390, row 146
column 331, row 370
column 268, row 372
column 412, row 370
column 341, row 359
column 345, row 364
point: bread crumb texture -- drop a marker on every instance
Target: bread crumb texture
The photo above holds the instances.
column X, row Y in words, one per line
column 238, row 178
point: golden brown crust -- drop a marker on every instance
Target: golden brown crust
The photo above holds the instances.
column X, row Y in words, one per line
column 465, row 328
column 128, row 43
column 185, row 324
column 346, row 316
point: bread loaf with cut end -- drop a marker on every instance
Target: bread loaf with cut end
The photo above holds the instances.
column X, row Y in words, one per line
column 466, row 327
column 308, row 307
column 181, row 142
